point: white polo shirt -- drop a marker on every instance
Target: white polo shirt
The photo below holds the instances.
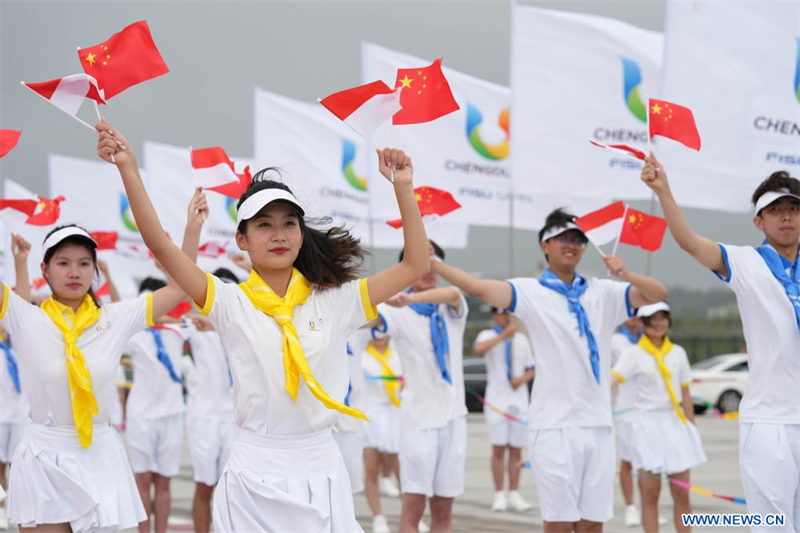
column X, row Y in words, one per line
column 498, row 388
column 770, row 332
column 12, row 404
column 566, row 393
column 427, row 400
column 42, row 354
column 154, row 394
column 639, row 370
column 375, row 390
column 208, row 377
column 254, row 343
column 625, row 393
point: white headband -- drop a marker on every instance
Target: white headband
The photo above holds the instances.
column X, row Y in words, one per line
column 649, row 310
column 256, row 203
column 59, row 235
column 769, row 197
column 558, row 230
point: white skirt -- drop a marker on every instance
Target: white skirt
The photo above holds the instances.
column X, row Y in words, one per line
column 281, row 484
column 662, row 444
column 54, row 480
column 623, row 429
column 382, row 432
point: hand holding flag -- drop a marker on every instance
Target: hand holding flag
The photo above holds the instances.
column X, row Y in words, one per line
column 654, row 176
column 674, row 122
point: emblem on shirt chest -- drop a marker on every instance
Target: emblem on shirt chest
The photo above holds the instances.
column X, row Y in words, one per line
column 315, row 325
column 105, row 326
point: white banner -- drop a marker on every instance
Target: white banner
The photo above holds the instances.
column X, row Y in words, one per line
column 577, row 77
column 465, row 152
column 33, row 234
column 736, row 65
column 325, row 164
column 96, row 201
column 171, row 186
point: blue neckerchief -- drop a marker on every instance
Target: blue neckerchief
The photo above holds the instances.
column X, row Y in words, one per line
column 441, row 343
column 347, row 396
column 573, row 294
column 629, row 334
column 163, row 357
column 11, row 364
column 786, row 273
column 499, row 330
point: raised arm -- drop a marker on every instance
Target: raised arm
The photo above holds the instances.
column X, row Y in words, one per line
column 704, row 250
column 439, row 295
column 180, row 267
column 21, row 250
column 481, row 348
column 112, row 288
column 644, row 291
column 396, row 165
column 494, row 292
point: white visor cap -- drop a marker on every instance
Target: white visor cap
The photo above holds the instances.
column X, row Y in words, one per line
column 256, row 203
column 63, row 233
column 772, row 196
column 649, row 310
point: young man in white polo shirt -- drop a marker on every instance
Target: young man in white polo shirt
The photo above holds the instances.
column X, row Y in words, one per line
column 509, row 369
column 427, row 324
column 765, row 281
column 570, row 321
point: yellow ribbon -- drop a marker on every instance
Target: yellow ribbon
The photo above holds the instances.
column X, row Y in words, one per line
column 647, row 345
column 281, row 310
column 84, row 403
column 386, row 371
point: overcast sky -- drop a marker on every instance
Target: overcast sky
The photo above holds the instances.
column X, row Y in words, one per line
column 219, row 51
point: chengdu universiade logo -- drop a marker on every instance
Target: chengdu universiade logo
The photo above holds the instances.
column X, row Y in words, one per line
column 797, row 72
column 348, row 160
column 125, row 213
column 494, row 152
column 230, row 207
column 632, row 80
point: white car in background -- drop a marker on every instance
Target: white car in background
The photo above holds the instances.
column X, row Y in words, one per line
column 721, row 381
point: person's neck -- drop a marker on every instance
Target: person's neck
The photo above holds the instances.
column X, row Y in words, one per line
column 74, row 304
column 278, row 280
column 381, row 349
column 788, row 252
column 565, row 275
column 658, row 342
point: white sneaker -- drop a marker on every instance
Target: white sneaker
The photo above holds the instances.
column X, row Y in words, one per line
column 3, row 519
column 517, row 502
column 388, row 488
column 379, row 524
column 662, row 521
column 500, row 504
column 423, row 527
column 632, row 516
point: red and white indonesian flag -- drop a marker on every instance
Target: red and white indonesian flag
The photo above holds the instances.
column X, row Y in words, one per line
column 366, row 107
column 68, row 93
column 623, row 149
column 604, row 225
column 212, row 167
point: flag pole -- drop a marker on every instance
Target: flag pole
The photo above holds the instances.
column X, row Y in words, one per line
column 48, row 101
column 194, row 178
column 621, row 229
column 99, row 117
column 649, row 267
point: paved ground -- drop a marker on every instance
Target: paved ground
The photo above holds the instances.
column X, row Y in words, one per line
column 472, row 513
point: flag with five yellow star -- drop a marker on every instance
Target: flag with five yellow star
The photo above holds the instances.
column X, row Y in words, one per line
column 426, row 95
column 432, row 202
column 673, row 121
column 124, row 60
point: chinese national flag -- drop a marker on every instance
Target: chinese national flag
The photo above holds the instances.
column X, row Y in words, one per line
column 426, row 94
column 106, row 240
column 432, row 202
column 643, row 230
column 673, row 121
column 181, row 309
column 125, row 59
column 47, row 212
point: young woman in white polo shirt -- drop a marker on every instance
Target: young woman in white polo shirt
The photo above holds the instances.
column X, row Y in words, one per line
column 69, row 472
column 509, row 369
column 664, row 439
column 285, row 331
column 570, row 321
column 766, row 283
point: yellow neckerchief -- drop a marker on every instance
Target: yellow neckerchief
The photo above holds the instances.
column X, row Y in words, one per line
column 295, row 363
column 386, row 371
column 647, row 345
column 84, row 403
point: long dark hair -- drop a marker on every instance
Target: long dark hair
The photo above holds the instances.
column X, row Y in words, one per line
column 73, row 239
column 328, row 257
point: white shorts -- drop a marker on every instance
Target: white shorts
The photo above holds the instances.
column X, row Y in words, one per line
column 574, row 472
column 769, row 460
column 432, row 461
column 382, row 432
column 155, row 444
column 351, row 444
column 10, row 435
column 210, row 443
column 505, row 432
